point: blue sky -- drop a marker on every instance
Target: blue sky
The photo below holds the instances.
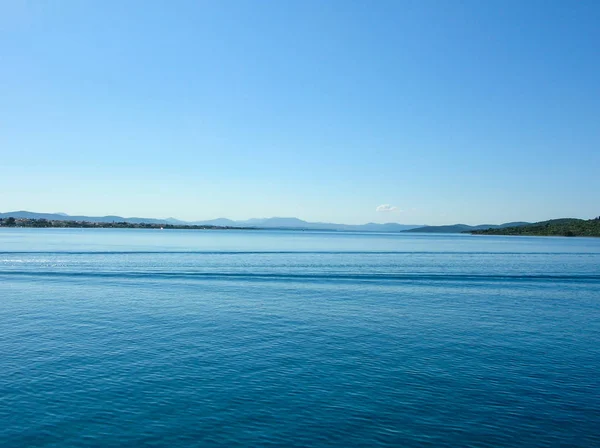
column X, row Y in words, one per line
column 448, row 111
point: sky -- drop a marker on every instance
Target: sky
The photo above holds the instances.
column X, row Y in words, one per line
column 418, row 112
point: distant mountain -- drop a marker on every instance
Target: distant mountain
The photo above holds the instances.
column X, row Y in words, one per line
column 460, row 228
column 264, row 223
column 216, row 222
column 553, row 227
column 295, row 223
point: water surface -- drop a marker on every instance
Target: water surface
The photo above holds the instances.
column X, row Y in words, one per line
column 273, row 338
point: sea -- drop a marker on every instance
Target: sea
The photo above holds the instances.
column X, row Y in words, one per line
column 260, row 338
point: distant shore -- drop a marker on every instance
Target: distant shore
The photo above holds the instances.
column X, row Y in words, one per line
column 555, row 227
column 558, row 227
column 66, row 224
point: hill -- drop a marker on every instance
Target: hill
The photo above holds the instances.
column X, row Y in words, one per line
column 553, row 227
column 462, row 228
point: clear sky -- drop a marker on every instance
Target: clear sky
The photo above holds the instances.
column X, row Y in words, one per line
column 448, row 111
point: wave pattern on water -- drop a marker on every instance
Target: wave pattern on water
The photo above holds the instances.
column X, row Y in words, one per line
column 289, row 252
column 309, row 277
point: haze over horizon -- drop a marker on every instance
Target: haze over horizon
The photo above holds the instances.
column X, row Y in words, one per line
column 416, row 112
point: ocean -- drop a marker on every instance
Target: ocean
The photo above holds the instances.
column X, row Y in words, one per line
column 259, row 338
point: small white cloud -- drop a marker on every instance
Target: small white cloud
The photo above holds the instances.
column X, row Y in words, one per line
column 386, row 208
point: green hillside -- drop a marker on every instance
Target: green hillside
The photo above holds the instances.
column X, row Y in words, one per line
column 554, row 227
column 462, row 228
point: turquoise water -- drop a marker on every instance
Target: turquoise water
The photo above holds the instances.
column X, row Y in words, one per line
column 264, row 338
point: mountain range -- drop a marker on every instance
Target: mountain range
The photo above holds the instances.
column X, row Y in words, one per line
column 264, row 223
column 267, row 223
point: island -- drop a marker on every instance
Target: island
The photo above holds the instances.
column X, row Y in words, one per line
column 553, row 227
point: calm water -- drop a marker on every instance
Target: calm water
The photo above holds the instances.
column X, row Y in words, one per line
column 256, row 338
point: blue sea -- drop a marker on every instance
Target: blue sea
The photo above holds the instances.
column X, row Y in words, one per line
column 181, row 338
